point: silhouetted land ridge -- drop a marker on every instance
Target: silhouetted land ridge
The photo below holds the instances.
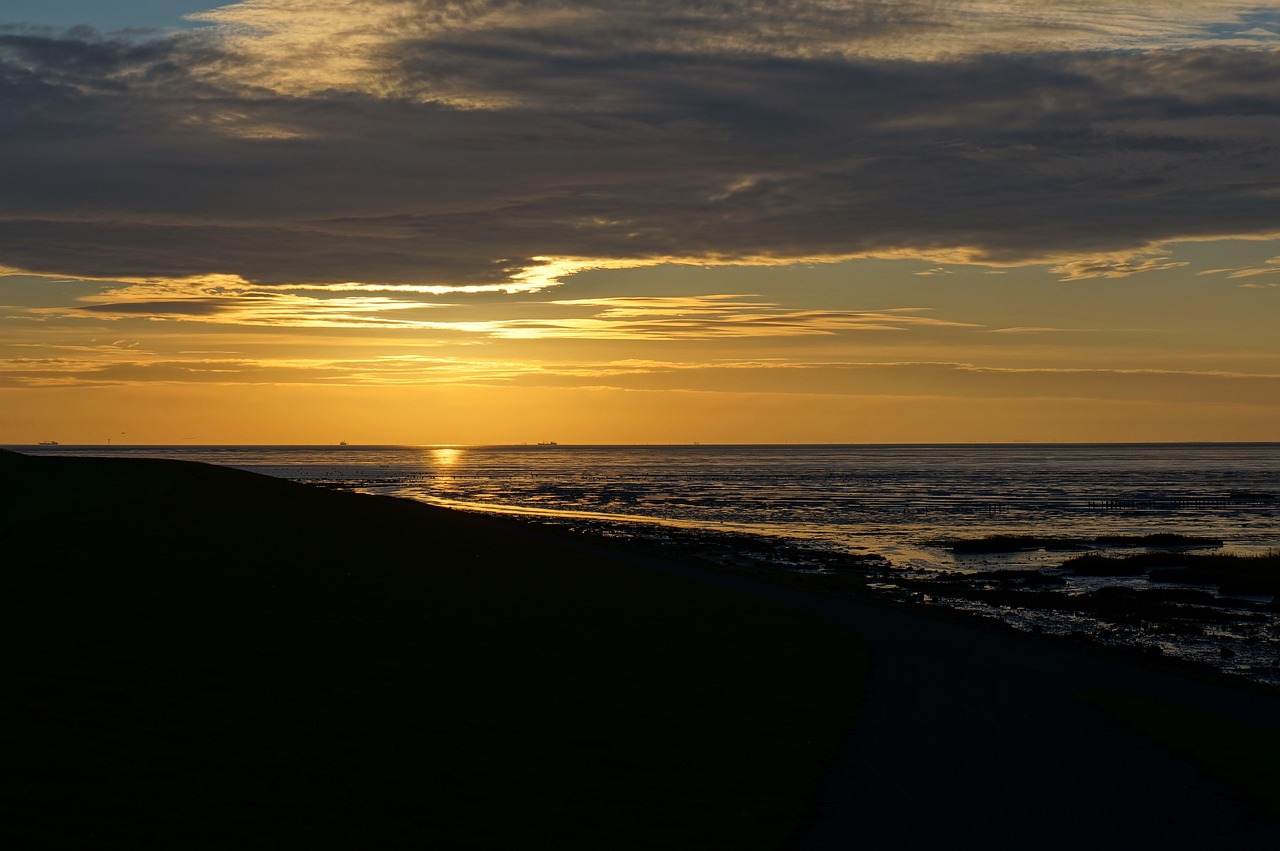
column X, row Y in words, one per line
column 203, row 657
column 209, row 658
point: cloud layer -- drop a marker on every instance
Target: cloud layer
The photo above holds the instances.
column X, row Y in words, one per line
column 503, row 144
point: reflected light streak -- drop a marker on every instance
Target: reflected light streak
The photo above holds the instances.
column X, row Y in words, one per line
column 446, row 456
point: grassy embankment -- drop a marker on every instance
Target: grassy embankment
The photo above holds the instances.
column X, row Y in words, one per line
column 1244, row 757
column 1231, row 574
column 201, row 657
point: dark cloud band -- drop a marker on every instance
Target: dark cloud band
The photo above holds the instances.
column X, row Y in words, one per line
column 139, row 159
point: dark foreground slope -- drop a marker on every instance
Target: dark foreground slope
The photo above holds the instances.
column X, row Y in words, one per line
column 201, row 657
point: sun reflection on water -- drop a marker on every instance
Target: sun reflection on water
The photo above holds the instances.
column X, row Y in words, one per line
column 445, row 456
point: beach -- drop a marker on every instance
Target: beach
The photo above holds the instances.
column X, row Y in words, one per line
column 208, row 657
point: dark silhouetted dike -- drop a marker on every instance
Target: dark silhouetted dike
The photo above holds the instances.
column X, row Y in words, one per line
column 209, row 658
column 202, row 657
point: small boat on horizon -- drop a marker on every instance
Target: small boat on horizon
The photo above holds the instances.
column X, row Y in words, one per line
column 48, row 443
column 547, row 443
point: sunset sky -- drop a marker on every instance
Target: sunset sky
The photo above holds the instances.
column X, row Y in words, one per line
column 639, row 221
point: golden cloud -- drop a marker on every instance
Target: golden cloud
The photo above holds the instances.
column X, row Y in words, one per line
column 700, row 317
column 1111, row 267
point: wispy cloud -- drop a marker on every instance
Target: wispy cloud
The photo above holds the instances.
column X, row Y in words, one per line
column 109, row 365
column 268, row 308
column 1034, row 329
column 701, row 317
column 1268, row 270
column 1080, row 270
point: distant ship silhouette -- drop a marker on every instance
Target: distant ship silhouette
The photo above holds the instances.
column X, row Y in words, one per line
column 48, row 443
column 547, row 443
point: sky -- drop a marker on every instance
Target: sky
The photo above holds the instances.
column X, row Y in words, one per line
column 639, row 221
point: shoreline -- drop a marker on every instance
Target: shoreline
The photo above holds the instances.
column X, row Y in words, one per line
column 871, row 578
column 960, row 716
column 689, row 559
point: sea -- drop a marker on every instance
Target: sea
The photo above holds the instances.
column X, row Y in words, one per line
column 894, row 511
